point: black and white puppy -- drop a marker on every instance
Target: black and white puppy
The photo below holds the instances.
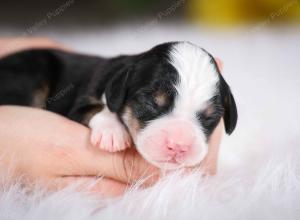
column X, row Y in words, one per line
column 167, row 100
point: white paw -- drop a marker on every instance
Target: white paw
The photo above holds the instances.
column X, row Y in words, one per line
column 108, row 133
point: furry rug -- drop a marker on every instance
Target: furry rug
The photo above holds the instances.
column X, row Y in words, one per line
column 259, row 169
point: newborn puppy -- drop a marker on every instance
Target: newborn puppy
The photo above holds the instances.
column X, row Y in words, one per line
column 167, row 100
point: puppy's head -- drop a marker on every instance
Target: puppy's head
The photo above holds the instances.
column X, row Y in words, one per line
column 171, row 98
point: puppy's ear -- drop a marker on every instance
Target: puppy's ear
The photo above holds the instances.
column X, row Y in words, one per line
column 230, row 110
column 116, row 89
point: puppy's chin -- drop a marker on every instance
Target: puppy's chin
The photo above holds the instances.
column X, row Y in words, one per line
column 174, row 165
column 170, row 164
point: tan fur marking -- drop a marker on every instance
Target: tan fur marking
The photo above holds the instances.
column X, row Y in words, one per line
column 131, row 122
column 161, row 98
column 209, row 111
column 40, row 96
column 95, row 101
column 97, row 107
column 88, row 115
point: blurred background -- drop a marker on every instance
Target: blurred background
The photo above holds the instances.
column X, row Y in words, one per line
column 258, row 41
column 100, row 12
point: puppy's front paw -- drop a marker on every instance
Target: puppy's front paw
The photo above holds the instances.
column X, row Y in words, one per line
column 108, row 133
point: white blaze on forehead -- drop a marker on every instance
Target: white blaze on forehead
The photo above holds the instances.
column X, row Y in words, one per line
column 197, row 78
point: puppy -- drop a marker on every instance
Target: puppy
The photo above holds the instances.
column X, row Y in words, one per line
column 167, row 100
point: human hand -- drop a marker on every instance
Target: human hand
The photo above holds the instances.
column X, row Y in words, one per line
column 12, row 45
column 55, row 151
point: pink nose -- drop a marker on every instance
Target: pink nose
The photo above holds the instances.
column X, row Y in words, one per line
column 175, row 149
column 178, row 140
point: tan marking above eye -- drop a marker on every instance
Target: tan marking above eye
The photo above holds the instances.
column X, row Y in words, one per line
column 161, row 98
column 208, row 111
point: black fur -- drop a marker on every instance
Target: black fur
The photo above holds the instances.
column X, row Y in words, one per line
column 222, row 105
column 229, row 111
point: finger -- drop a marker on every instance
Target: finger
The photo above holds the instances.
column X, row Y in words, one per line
column 219, row 63
column 126, row 166
column 131, row 167
column 210, row 162
column 96, row 186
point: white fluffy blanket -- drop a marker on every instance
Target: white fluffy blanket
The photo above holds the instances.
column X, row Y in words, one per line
column 259, row 169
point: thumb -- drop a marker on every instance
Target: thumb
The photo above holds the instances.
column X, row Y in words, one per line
column 125, row 166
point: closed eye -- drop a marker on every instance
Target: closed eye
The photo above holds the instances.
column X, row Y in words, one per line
column 149, row 105
column 204, row 119
column 209, row 121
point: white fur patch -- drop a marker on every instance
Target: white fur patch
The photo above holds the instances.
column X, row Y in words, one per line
column 197, row 78
column 108, row 133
